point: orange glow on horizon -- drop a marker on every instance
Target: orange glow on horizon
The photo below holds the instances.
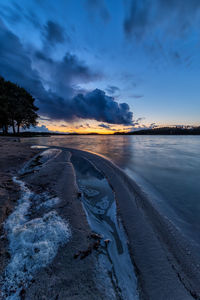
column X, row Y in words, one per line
column 89, row 127
column 84, row 131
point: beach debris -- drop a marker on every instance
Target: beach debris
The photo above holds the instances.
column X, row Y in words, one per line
column 107, row 241
column 79, row 194
column 90, row 193
column 76, row 255
column 84, row 253
column 8, row 211
column 96, row 245
column 8, row 256
column 95, row 236
column 22, row 293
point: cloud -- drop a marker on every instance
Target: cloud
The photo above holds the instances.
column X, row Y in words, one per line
column 13, row 13
column 54, row 83
column 111, row 89
column 104, row 126
column 63, row 76
column 137, row 123
column 174, row 17
column 97, row 105
column 38, row 128
column 15, row 63
column 44, row 119
column 53, row 33
column 98, row 6
column 138, row 96
column 153, row 125
column 141, row 126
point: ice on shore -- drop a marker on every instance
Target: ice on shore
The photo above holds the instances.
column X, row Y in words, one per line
column 100, row 206
column 40, row 160
column 38, row 147
column 33, row 243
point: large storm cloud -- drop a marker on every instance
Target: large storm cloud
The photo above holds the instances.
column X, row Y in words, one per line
column 97, row 105
column 55, row 83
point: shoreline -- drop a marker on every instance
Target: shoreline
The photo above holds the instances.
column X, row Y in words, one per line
column 13, row 155
column 166, row 266
column 169, row 265
column 63, row 276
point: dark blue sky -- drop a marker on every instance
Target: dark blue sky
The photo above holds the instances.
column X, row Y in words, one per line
column 137, row 52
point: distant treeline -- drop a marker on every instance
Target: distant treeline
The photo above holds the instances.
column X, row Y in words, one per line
column 17, row 107
column 155, row 131
column 164, row 131
column 34, row 134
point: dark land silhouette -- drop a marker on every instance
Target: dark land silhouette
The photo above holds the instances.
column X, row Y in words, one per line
column 17, row 109
column 164, row 131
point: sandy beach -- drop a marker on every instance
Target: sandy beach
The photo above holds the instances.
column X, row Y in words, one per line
column 56, row 245
column 13, row 155
column 66, row 277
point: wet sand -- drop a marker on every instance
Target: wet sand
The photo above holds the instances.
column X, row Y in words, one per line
column 165, row 265
column 13, row 154
column 73, row 273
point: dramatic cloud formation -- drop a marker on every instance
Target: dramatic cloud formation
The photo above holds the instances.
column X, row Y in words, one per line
column 55, row 83
column 97, row 105
column 54, row 33
column 63, row 76
column 175, row 16
column 94, row 105
column 15, row 63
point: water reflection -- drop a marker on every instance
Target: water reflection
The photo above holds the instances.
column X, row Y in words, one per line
column 168, row 165
column 100, row 206
column 117, row 148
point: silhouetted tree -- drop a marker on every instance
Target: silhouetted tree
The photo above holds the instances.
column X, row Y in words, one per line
column 16, row 107
column 4, row 119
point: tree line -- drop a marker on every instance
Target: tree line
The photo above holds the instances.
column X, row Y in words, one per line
column 17, row 109
column 164, row 131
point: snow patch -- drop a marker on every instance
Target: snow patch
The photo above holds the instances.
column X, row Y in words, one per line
column 32, row 243
column 38, row 147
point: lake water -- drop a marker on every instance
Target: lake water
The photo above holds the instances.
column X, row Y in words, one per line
column 166, row 167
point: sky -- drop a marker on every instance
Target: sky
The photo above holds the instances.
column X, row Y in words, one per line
column 104, row 65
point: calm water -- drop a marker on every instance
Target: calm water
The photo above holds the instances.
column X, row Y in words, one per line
column 167, row 168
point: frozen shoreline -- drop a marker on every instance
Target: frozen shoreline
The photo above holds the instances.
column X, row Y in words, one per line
column 167, row 266
column 49, row 208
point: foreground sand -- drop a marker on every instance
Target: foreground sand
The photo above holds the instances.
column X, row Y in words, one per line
column 13, row 154
column 66, row 277
column 166, row 266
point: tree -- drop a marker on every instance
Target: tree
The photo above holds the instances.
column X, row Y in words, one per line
column 25, row 113
column 16, row 107
column 4, row 119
